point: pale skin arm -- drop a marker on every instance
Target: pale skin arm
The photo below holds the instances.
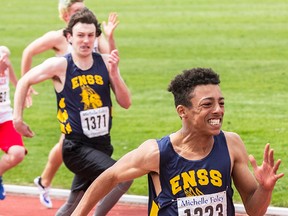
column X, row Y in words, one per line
column 12, row 75
column 255, row 190
column 121, row 91
column 107, row 44
column 14, row 81
column 48, row 41
column 49, row 69
column 141, row 161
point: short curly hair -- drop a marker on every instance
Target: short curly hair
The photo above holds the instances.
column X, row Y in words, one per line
column 184, row 84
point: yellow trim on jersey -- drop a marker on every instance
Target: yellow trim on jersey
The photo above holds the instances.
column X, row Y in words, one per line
column 154, row 209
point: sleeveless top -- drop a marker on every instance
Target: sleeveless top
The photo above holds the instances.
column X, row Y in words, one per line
column 5, row 102
column 84, row 104
column 193, row 187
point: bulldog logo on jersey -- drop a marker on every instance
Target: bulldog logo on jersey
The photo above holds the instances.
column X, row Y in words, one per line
column 90, row 98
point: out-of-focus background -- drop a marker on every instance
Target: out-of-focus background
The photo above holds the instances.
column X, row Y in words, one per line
column 246, row 42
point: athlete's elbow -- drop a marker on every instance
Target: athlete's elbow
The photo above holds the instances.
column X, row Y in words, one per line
column 125, row 103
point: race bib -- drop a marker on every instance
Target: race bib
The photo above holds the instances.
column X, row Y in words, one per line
column 95, row 122
column 205, row 205
column 3, row 96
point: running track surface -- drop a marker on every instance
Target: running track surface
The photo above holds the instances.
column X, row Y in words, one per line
column 29, row 205
column 23, row 205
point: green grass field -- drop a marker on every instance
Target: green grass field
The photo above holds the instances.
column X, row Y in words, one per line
column 244, row 41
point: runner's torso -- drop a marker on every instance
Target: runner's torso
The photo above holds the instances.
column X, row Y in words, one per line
column 193, row 187
column 84, row 104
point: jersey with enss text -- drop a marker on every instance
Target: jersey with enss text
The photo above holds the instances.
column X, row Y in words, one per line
column 193, row 187
column 84, row 104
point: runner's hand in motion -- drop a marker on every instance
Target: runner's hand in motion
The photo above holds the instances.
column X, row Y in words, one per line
column 111, row 25
column 22, row 128
column 30, row 93
column 266, row 174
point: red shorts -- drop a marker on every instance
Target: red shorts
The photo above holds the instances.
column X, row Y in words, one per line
column 9, row 136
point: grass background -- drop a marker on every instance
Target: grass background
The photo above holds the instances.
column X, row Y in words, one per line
column 244, row 41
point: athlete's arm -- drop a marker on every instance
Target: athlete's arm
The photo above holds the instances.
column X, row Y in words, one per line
column 49, row 41
column 255, row 191
column 107, row 44
column 49, row 69
column 12, row 75
column 121, row 91
column 134, row 164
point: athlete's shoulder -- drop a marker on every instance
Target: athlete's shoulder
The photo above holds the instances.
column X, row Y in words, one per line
column 58, row 62
column 232, row 136
column 236, row 146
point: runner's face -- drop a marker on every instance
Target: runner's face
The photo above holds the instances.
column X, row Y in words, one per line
column 207, row 109
column 83, row 38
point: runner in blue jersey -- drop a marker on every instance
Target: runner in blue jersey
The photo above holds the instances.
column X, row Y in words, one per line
column 82, row 82
column 190, row 171
column 55, row 41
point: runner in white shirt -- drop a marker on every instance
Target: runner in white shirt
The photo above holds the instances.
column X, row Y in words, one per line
column 11, row 141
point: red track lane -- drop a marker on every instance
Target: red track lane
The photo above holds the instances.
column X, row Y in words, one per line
column 23, row 205
column 29, row 205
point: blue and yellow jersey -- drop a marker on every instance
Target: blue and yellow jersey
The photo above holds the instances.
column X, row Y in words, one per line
column 84, row 104
column 193, row 187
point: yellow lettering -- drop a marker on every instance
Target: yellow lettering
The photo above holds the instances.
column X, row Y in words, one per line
column 216, row 178
column 86, row 79
column 99, row 80
column 188, row 179
column 202, row 174
column 175, row 184
column 74, row 82
column 90, row 79
column 192, row 179
column 82, row 80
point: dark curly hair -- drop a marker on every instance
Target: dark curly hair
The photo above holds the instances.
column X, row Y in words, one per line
column 184, row 84
column 83, row 16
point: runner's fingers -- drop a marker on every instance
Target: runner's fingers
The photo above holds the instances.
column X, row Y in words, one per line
column 279, row 176
column 114, row 54
column 276, row 167
column 113, row 17
column 266, row 153
column 271, row 157
column 29, row 133
column 253, row 162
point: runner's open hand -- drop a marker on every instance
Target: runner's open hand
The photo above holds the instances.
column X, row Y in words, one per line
column 266, row 174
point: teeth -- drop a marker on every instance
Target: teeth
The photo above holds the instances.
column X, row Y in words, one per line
column 214, row 121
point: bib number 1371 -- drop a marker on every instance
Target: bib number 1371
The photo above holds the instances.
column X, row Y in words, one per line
column 95, row 122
